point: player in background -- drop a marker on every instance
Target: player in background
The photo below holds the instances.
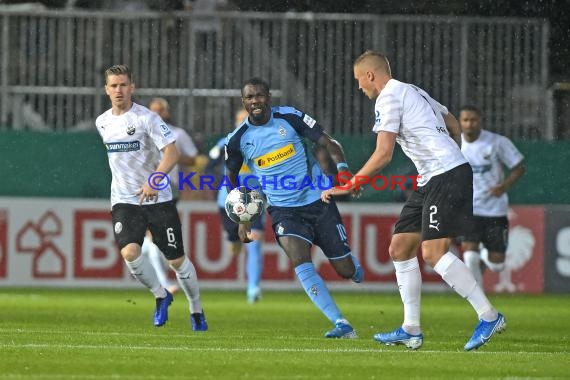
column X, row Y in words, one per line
column 271, row 143
column 188, row 152
column 437, row 210
column 487, row 153
column 254, row 259
column 139, row 144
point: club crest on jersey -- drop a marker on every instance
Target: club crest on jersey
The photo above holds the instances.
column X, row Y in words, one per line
column 282, row 132
column 488, row 153
column 131, row 130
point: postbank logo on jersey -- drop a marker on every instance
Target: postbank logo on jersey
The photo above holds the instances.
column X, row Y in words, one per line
column 121, row 147
column 275, row 157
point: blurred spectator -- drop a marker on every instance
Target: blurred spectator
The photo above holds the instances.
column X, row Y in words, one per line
column 21, row 115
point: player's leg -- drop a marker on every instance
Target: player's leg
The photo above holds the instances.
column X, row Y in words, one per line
column 331, row 236
column 448, row 205
column 294, row 233
column 472, row 258
column 403, row 251
column 130, row 225
column 470, row 242
column 403, row 248
column 158, row 262
column 495, row 240
column 254, row 266
column 254, row 260
column 166, row 230
column 458, row 276
column 231, row 229
column 298, row 250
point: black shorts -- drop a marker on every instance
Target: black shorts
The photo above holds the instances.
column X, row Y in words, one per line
column 442, row 207
column 231, row 227
column 493, row 232
column 318, row 223
column 130, row 223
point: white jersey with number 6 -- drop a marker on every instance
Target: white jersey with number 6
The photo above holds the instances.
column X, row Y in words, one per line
column 133, row 141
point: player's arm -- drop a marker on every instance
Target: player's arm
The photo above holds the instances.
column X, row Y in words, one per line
column 232, row 177
column 234, row 161
column 380, row 158
column 336, row 152
column 333, row 147
column 453, row 127
column 515, row 174
column 169, row 159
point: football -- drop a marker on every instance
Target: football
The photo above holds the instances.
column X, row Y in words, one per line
column 244, row 205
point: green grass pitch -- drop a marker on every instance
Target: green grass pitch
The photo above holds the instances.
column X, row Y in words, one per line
column 108, row 334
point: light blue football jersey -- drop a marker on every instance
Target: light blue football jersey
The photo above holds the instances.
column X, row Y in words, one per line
column 276, row 154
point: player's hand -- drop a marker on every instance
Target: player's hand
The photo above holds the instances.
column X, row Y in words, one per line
column 497, row 191
column 342, row 186
column 147, row 194
column 244, row 233
column 333, row 191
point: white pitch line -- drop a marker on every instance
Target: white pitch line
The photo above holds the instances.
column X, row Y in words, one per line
column 266, row 349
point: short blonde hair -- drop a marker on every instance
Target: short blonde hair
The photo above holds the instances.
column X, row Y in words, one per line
column 375, row 59
column 119, row 70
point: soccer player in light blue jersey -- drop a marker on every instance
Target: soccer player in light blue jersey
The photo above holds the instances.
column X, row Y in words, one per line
column 271, row 143
column 254, row 258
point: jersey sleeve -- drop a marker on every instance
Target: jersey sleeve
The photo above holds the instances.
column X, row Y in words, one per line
column 387, row 114
column 98, row 123
column 303, row 124
column 508, row 152
column 232, row 152
column 159, row 131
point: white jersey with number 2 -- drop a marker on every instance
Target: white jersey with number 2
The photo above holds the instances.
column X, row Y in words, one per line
column 417, row 119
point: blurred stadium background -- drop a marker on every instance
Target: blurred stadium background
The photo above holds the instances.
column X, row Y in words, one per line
column 509, row 58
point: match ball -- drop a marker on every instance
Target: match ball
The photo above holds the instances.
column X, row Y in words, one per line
column 244, row 205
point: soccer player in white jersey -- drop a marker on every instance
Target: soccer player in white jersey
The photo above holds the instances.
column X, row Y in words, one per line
column 437, row 210
column 488, row 153
column 188, row 152
column 135, row 137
